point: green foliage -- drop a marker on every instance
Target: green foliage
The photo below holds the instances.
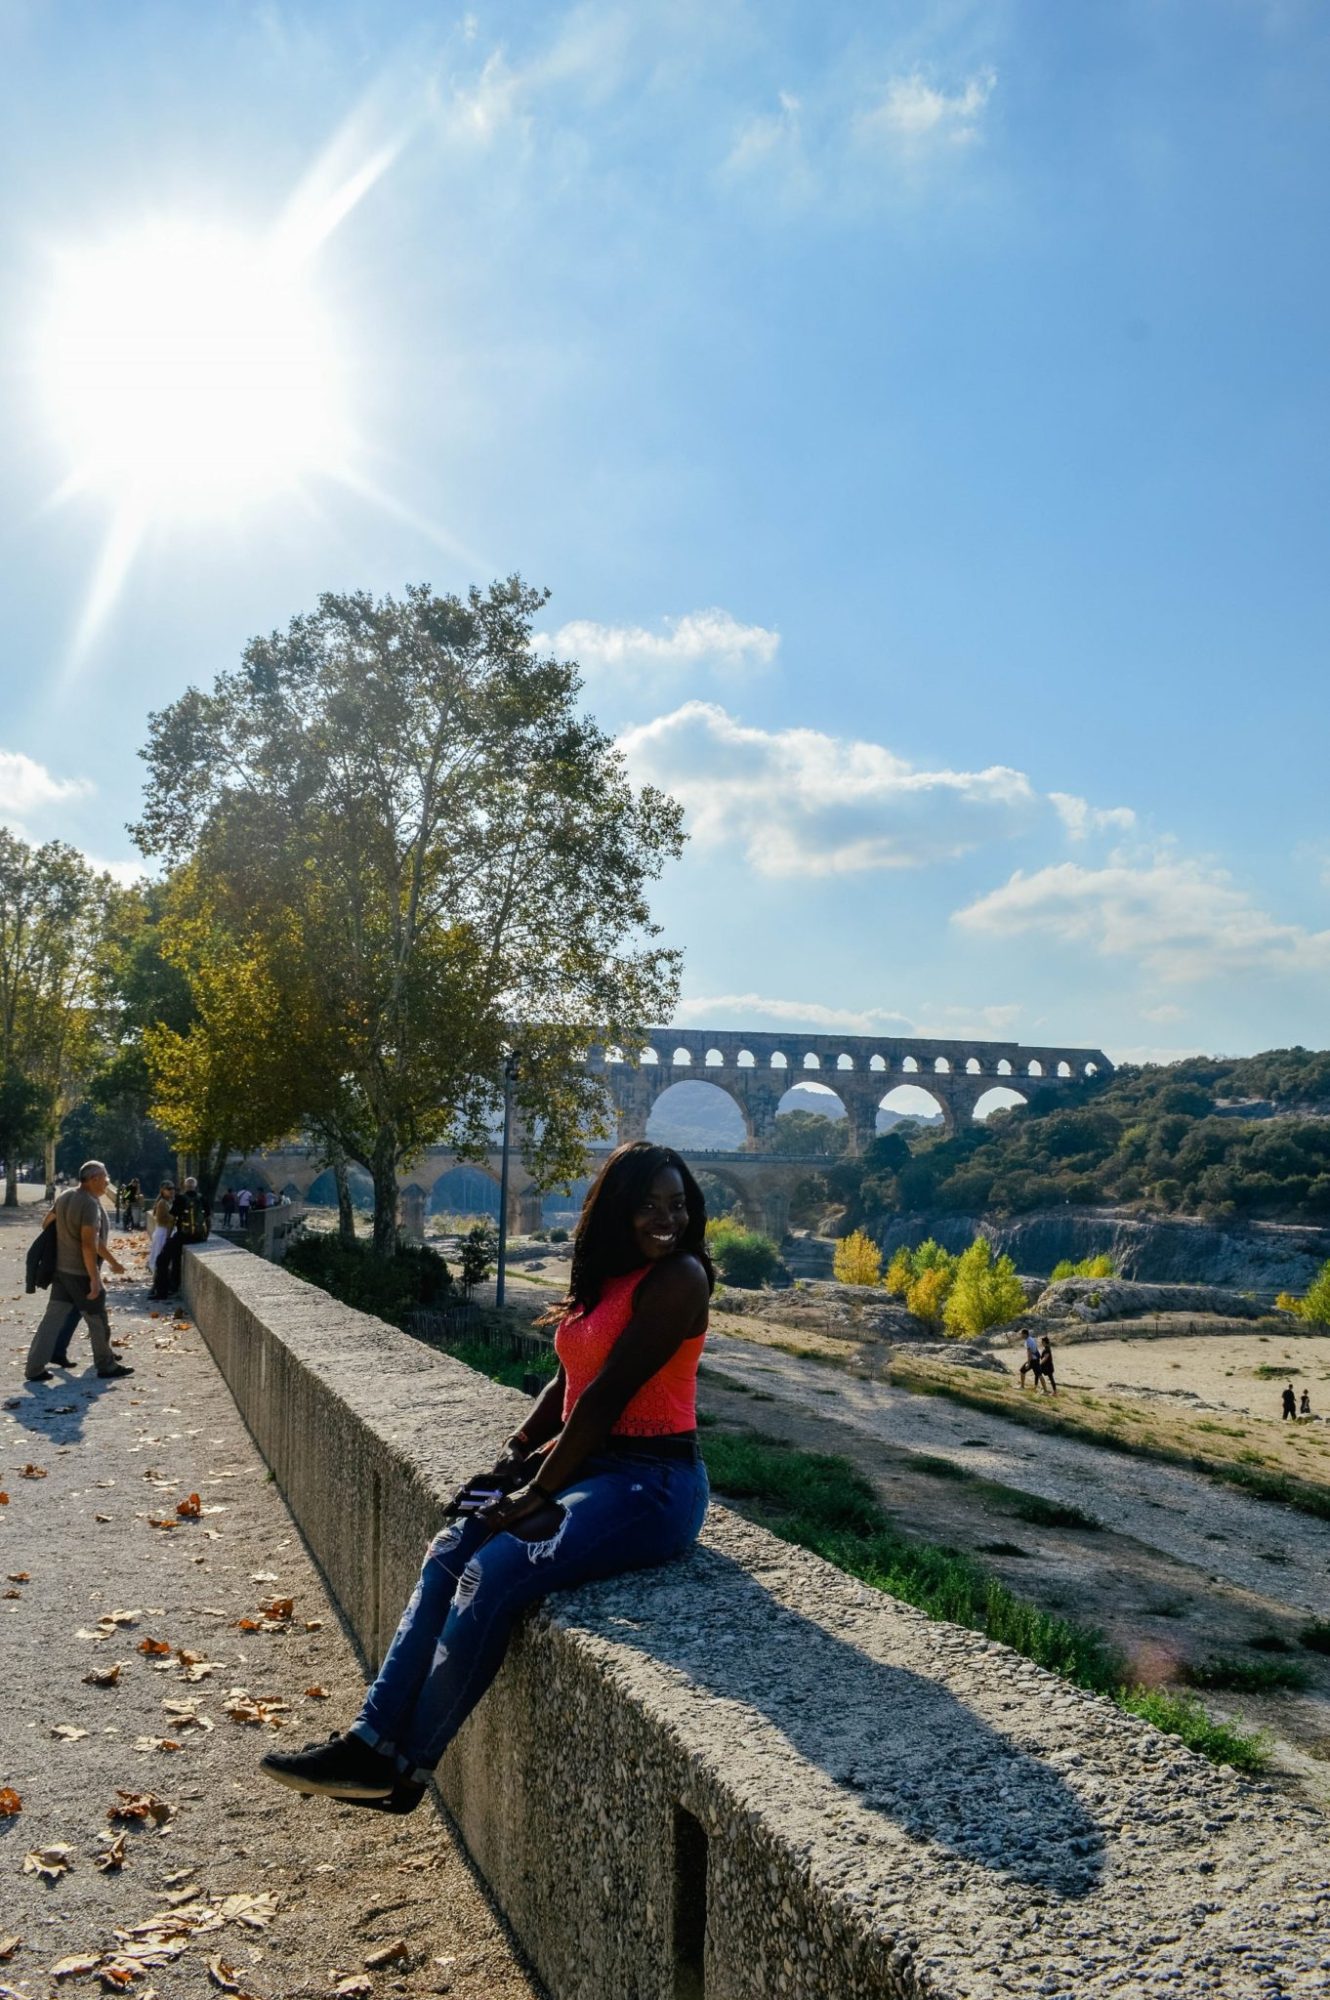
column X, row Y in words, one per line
column 1246, row 1676
column 824, row 1504
column 512, row 1370
column 1315, row 1306
column 390, row 1288
column 480, row 1247
column 808, row 1135
column 985, row 1291
column 20, row 1113
column 743, row 1257
column 1101, row 1266
column 1316, row 1636
column 558, row 1236
column 856, row 1260
column 1054, row 1513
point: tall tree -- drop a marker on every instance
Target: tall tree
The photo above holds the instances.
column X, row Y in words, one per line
column 52, row 915
column 439, row 858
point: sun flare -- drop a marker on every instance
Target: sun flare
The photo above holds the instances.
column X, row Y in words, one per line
column 189, row 371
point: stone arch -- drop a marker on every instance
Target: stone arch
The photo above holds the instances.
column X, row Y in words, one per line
column 682, row 1059
column 1092, row 1069
column 1004, row 1067
column 844, row 1062
column 291, row 1191
column 973, row 1067
column 877, row 1064
column 746, row 1059
column 1064, row 1069
column 812, row 1061
column 649, row 1056
column 714, row 1059
column 468, row 1188
column 999, row 1098
column 942, row 1066
column 779, row 1060
column 910, row 1100
column 322, row 1191
column 836, row 1106
column 699, row 1117
column 1035, row 1068
column 739, row 1195
column 910, row 1066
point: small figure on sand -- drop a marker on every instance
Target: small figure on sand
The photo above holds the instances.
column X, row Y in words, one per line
column 1031, row 1361
column 1290, row 1404
column 1044, row 1366
column 1305, row 1404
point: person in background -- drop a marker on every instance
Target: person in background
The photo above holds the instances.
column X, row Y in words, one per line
column 81, row 1250
column 1031, row 1361
column 161, row 1223
column 1305, row 1403
column 133, row 1196
column 1290, row 1402
column 191, row 1212
column 1044, row 1366
column 228, row 1209
column 244, row 1201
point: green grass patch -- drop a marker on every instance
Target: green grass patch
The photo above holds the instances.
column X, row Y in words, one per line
column 1182, row 1715
column 1269, row 1642
column 1052, row 1513
column 938, row 1468
column 1246, row 1676
column 823, row 1503
column 509, row 1369
column 1267, row 1372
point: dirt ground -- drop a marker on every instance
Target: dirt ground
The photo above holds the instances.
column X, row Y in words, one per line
column 1214, row 1371
column 295, row 1896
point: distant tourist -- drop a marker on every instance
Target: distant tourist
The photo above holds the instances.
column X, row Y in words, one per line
column 161, row 1222
column 133, row 1196
column 1290, row 1403
column 1044, row 1366
column 243, row 1201
column 80, row 1251
column 191, row 1212
column 228, row 1208
column 604, row 1476
column 1305, row 1405
column 1031, row 1363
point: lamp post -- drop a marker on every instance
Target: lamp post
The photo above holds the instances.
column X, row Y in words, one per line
column 510, row 1067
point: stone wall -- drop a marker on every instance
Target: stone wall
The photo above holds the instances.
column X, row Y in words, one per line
column 746, row 1776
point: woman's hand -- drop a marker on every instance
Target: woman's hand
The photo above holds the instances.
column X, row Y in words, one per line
column 514, row 1508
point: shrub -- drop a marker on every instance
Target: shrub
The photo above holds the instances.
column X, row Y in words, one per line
column 388, row 1287
column 743, row 1257
column 927, row 1296
column 480, row 1247
column 857, row 1260
column 1316, row 1305
column 558, row 1236
column 1101, row 1266
column 984, row 1291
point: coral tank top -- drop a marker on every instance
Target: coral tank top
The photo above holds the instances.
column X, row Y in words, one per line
column 664, row 1405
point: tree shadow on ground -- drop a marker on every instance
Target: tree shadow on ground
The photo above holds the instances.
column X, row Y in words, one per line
column 884, row 1739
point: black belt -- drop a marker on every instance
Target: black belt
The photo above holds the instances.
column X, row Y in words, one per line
column 681, row 1444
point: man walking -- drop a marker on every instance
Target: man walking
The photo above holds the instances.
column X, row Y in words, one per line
column 80, row 1251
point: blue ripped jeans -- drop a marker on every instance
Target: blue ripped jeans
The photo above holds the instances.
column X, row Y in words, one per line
column 619, row 1514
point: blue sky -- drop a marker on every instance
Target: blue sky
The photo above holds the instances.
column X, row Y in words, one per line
column 918, row 412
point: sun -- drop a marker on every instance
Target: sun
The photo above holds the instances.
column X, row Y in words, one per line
column 189, row 371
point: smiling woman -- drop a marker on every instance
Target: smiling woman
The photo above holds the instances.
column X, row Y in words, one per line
column 188, row 370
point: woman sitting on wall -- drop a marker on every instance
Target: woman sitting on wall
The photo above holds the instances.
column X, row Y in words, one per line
column 604, row 1476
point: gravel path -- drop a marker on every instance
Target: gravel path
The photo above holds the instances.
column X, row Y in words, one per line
column 1253, row 1545
column 90, row 1585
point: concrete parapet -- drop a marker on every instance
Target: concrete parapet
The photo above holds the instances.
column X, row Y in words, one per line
column 748, row 1777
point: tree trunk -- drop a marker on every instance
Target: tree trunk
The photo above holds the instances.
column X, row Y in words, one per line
column 11, row 1183
column 49, row 1152
column 385, row 1192
column 346, row 1214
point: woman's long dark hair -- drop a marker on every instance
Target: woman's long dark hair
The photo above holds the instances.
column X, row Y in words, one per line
column 604, row 1245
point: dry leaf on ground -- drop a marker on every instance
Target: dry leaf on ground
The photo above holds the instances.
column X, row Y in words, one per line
column 11, row 1593
column 33, row 1472
column 8, row 1946
column 101, row 1517
column 155, row 1743
column 190, row 1509
column 141, row 1806
column 49, row 1862
column 77, row 1963
column 19, row 1576
column 226, row 1976
column 113, row 1855
column 104, row 1677
column 68, row 1732
column 355, row 1987
column 120, row 1617
column 154, row 1648
column 10, row 1802
column 4, row 1499
column 318, row 1693
column 388, row 1954
column 165, row 1522
column 278, row 1607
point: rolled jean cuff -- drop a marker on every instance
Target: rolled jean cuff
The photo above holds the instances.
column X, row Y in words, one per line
column 387, row 1748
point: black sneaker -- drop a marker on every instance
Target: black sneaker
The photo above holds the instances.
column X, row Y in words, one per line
column 404, row 1797
column 113, row 1374
column 45, row 1375
column 344, row 1768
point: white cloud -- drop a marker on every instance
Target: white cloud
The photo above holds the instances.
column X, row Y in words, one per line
column 1164, row 1013
column 125, row 873
column 913, row 112
column 797, row 802
column 27, row 787
column 713, row 636
column 1180, row 919
column 1081, row 819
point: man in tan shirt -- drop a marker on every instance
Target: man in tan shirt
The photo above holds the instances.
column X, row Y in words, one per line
column 80, row 1251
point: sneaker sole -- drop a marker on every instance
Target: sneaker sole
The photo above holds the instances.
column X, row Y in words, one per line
column 354, row 1795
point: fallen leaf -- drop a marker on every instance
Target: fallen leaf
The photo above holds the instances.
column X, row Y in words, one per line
column 11, row 1593
column 156, row 1743
column 120, row 1618
column 190, row 1509
column 104, row 1677
column 119, row 1974
column 241, row 1706
column 180, row 1875
column 49, row 1862
column 4, row 1499
column 101, row 1517
column 65, row 1732
column 199, row 1670
column 8, row 1946
column 388, row 1954
column 357, row 1987
column 19, row 1576
column 225, row 1976
column 166, row 1521
column 10, row 1802
column 255, row 1912
column 313, row 1624
column 112, row 1856
column 249, row 1624
column 78, row 1962
column 278, row 1607
column 141, row 1806
column 317, row 1693
column 264, row 1576
column 155, row 1648
column 33, row 1472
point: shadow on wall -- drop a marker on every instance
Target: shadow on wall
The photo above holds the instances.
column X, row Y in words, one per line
column 884, row 1739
